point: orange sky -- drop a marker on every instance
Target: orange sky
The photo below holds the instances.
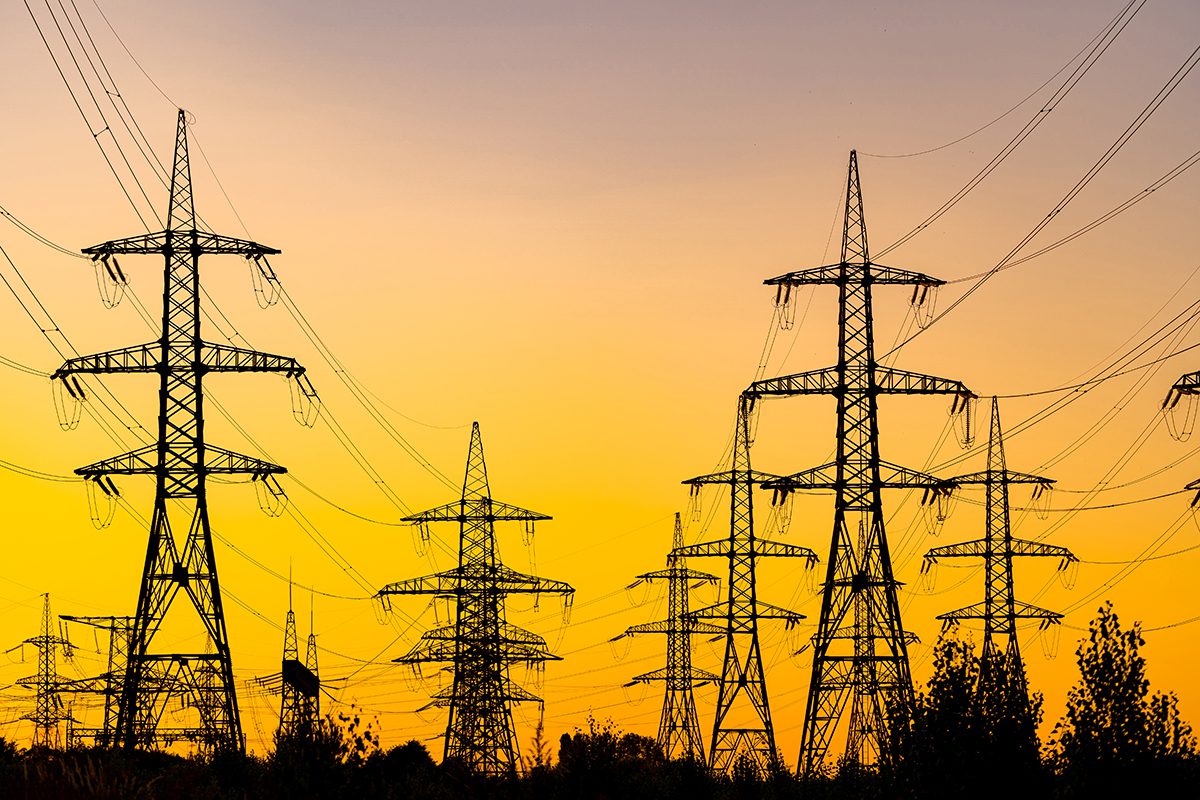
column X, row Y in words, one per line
column 555, row 219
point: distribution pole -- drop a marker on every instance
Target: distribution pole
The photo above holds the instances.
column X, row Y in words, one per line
column 743, row 733
column 1000, row 609
column 860, row 649
column 47, row 685
column 480, row 644
column 679, row 726
column 179, row 555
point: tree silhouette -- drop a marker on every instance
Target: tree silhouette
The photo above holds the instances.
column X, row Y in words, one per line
column 974, row 719
column 1115, row 734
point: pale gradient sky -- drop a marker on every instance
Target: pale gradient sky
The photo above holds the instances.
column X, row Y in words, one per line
column 555, row 218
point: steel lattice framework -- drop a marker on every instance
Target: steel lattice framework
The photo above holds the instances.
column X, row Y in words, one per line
column 47, row 685
column 300, row 684
column 1000, row 609
column 679, row 726
column 742, row 731
column 860, row 651
column 181, row 461
column 480, row 644
column 108, row 685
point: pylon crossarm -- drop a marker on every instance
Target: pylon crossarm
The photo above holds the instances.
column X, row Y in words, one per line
column 817, row 381
column 897, row 381
column 974, row 548
column 1187, row 384
column 768, row 611
column 1023, row 547
column 457, row 581
column 476, row 510
column 443, row 583
column 692, row 576
column 180, row 240
column 659, row 626
column 139, row 358
column 1027, row 611
column 226, row 358
column 1007, row 476
column 509, row 634
column 766, row 547
column 891, row 476
column 730, row 477
column 852, row 273
column 714, row 549
column 218, row 460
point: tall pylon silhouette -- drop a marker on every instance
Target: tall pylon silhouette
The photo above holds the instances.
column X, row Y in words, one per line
column 743, row 733
column 480, row 644
column 860, row 649
column 679, row 726
column 179, row 555
column 1000, row 610
column 48, row 711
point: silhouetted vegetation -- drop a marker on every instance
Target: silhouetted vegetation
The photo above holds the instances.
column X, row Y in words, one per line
column 970, row 732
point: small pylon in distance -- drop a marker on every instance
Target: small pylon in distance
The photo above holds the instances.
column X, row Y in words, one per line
column 679, row 726
column 480, row 645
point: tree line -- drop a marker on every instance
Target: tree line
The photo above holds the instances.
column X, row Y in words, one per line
column 971, row 731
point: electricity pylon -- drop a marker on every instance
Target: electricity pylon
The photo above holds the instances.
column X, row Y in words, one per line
column 679, row 726
column 743, row 733
column 1000, row 609
column 108, row 685
column 181, row 461
column 300, row 684
column 47, row 685
column 860, row 649
column 480, row 644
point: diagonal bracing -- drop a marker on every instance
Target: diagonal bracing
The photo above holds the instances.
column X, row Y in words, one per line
column 860, row 649
column 179, row 555
column 480, row 644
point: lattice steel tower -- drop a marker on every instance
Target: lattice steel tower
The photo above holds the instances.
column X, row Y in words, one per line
column 179, row 556
column 300, row 684
column 742, row 731
column 679, row 726
column 108, row 685
column 1000, row 609
column 480, row 644
column 860, row 651
column 47, row 685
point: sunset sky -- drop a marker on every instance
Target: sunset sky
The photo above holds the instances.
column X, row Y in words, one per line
column 555, row 218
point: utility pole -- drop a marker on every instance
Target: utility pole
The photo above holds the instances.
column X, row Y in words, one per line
column 1000, row 609
column 108, row 685
column 679, row 726
column 47, row 685
column 860, row 649
column 179, row 555
column 480, row 644
column 743, row 734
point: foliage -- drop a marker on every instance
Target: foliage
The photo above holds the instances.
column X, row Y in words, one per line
column 974, row 718
column 1115, row 735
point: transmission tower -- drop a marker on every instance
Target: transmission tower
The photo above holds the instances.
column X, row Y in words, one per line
column 181, row 461
column 47, row 685
column 679, row 726
column 300, row 684
column 860, row 649
column 743, row 733
column 1000, row 609
column 108, row 685
column 480, row 644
